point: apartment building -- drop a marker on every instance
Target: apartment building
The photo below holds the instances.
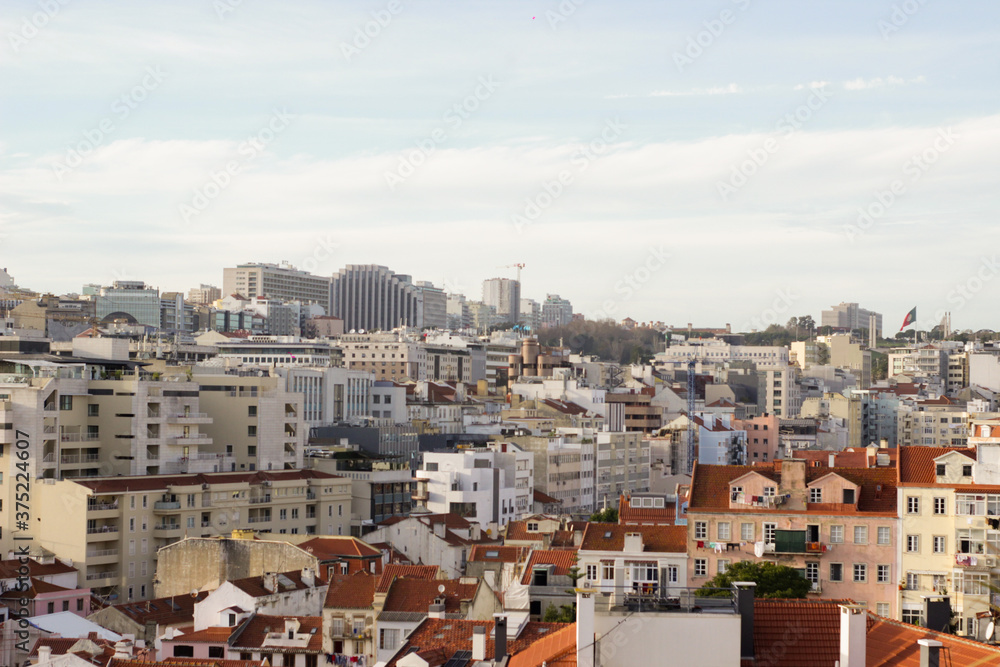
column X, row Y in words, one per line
column 504, row 295
column 386, row 355
column 924, row 361
column 621, row 465
column 255, row 421
column 762, row 439
column 938, row 422
column 850, row 356
column 282, row 281
column 837, row 525
column 621, row 561
column 777, row 391
column 111, row 527
column 488, row 485
column 850, row 317
column 563, row 469
column 334, row 395
column 370, row 297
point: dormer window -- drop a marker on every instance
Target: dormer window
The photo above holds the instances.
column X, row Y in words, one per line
column 735, row 492
column 232, row 620
column 967, row 471
column 816, row 495
column 940, row 469
column 848, row 496
column 532, row 527
column 769, row 491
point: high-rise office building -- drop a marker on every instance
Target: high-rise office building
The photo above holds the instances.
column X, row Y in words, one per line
column 504, row 295
column 126, row 299
column 435, row 306
column 850, row 316
column 556, row 311
column 283, row 282
column 372, row 297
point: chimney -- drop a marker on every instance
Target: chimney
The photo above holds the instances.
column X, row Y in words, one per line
column 270, row 581
column 439, row 529
column 633, row 543
column 500, row 637
column 123, row 651
column 853, row 628
column 436, row 610
column 308, row 577
column 585, row 630
column 793, row 481
column 478, row 643
column 476, row 532
column 883, row 444
column 745, row 592
column 832, row 461
column 930, row 652
column 44, row 655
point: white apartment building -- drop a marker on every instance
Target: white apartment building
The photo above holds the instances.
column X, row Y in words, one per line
column 564, row 469
column 276, row 281
column 777, row 390
column 333, row 395
column 562, row 388
column 719, row 351
column 488, row 486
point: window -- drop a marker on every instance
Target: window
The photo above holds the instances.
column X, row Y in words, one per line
column 912, row 616
column 913, row 505
column 131, row 547
column 861, row 534
column 216, row 652
column 938, row 581
column 282, row 515
column 607, row 571
column 252, row 411
column 183, row 651
column 190, row 522
column 769, row 491
column 388, row 639
column 746, row 532
column 883, row 574
column 939, row 544
column 966, row 470
column 812, row 571
column 93, row 410
column 65, row 402
column 723, row 531
column 671, row 574
column 295, row 512
column 769, row 530
column 848, row 496
column 882, row 609
column 939, row 506
column 816, row 495
column 252, row 431
column 700, row 530
column 860, row 572
column 913, row 544
column 836, row 534
column 884, row 535
column 912, row 581
column 700, row 567
column 722, row 566
column 131, row 525
column 939, row 469
column 592, row 572
column 836, row 571
column 79, row 604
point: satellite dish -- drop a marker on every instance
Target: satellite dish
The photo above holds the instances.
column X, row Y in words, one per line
column 194, row 592
column 990, row 629
column 441, row 588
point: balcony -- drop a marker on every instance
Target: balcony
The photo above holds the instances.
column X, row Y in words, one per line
column 258, row 500
column 190, row 418
column 102, row 557
column 259, row 519
column 102, row 533
column 188, row 440
column 650, row 598
column 102, row 577
column 975, row 561
column 79, row 437
column 66, row 459
column 166, row 505
column 166, row 530
column 310, row 494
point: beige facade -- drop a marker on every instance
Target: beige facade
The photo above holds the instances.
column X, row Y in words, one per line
column 277, row 282
column 112, row 527
column 386, row 356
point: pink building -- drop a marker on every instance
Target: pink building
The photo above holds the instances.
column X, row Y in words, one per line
column 836, row 525
column 52, row 587
column 762, row 438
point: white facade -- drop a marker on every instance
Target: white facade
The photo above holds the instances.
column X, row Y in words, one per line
column 332, row 395
column 486, row 486
column 717, row 350
column 563, row 389
column 298, row 602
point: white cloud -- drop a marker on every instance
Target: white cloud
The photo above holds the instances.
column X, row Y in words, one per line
column 878, row 82
column 731, row 89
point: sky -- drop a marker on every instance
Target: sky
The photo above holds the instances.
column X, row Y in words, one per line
column 734, row 161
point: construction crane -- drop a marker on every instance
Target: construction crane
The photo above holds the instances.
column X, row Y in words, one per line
column 512, row 266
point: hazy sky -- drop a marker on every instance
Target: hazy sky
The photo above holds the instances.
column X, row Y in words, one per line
column 679, row 161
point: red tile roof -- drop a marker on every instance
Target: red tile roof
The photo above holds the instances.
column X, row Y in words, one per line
column 254, row 586
column 214, row 635
column 855, row 457
column 655, row 539
column 391, row 572
column 518, row 530
column 894, row 643
column 563, row 560
column 916, row 464
column 417, row 595
column 565, row 407
column 186, row 662
column 545, row 498
column 105, row 649
column 480, row 553
column 710, row 488
column 791, row 633
column 255, row 629
column 176, row 610
column 439, row 639
column 628, row 515
column 556, row 649
column 38, row 587
column 340, row 546
column 8, row 568
column 351, row 591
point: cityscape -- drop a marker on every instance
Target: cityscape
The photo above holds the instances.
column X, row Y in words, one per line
column 559, row 333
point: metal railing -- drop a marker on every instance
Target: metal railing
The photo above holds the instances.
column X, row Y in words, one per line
column 102, row 552
column 92, row 530
column 111, row 574
column 99, row 507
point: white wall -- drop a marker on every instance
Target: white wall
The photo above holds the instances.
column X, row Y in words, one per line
column 691, row 640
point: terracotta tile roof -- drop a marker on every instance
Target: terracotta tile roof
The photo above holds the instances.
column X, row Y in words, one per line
column 351, row 591
column 8, row 568
column 565, row 407
column 439, row 639
column 214, row 635
column 340, row 546
column 628, row 515
column 563, row 560
column 791, row 633
column 916, row 464
column 563, row 539
column 710, row 488
column 176, row 610
column 254, row 586
column 504, row 554
column 451, row 521
column 855, row 457
column 518, row 530
column 894, row 643
column 190, row 662
column 557, row 649
column 38, row 587
column 655, row 539
column 253, row 633
column 395, row 555
column 391, row 572
column 545, row 498
column 103, row 650
column 417, row 595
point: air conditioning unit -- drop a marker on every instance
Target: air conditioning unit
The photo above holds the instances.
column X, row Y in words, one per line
column 587, row 584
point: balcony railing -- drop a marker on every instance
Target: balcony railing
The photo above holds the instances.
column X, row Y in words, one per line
column 167, row 505
column 100, row 507
column 167, row 526
column 258, row 519
column 79, row 458
column 91, row 530
column 79, row 437
column 111, row 574
column 102, row 552
column 257, row 500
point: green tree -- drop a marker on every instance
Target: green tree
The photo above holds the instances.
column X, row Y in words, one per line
column 562, row 614
column 880, row 366
column 773, row 581
column 609, row 515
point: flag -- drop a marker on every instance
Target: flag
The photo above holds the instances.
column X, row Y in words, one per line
column 910, row 318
